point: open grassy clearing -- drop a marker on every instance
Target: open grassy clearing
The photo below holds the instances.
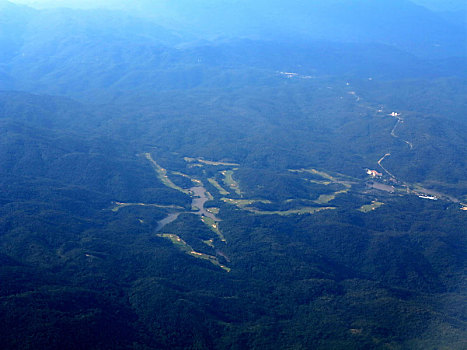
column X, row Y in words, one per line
column 213, row 210
column 119, row 205
column 314, row 172
column 195, row 181
column 209, row 162
column 180, row 174
column 321, row 182
column 329, row 179
column 304, row 210
column 370, row 207
column 230, row 182
column 209, row 242
column 244, row 203
column 326, row 198
column 162, row 175
column 214, row 226
column 322, row 174
column 221, row 189
column 343, row 179
column 184, row 247
column 241, row 203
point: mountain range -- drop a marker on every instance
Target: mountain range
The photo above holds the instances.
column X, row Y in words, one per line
column 233, row 175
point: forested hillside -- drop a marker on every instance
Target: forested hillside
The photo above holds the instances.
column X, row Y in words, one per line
column 229, row 187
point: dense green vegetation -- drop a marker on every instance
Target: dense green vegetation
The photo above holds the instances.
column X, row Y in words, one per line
column 305, row 255
column 340, row 279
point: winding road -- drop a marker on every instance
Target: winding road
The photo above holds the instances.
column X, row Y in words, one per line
column 393, row 132
column 382, row 167
column 417, row 190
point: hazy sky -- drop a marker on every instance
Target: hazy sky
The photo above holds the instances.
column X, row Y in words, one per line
column 115, row 4
column 65, row 3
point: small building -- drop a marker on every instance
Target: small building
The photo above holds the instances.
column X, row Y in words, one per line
column 373, row 173
column 426, row 196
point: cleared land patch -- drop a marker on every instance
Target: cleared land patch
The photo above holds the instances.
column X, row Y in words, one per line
column 209, row 162
column 162, row 175
column 195, row 181
column 230, row 182
column 245, row 203
column 329, row 179
column 216, row 184
column 304, row 210
column 213, row 210
column 314, row 172
column 370, row 207
column 119, row 205
column 242, row 203
column 183, row 246
column 214, row 226
column 209, row 242
column 326, row 198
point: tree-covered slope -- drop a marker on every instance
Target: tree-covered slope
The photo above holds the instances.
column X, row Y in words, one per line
column 339, row 279
column 242, row 192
